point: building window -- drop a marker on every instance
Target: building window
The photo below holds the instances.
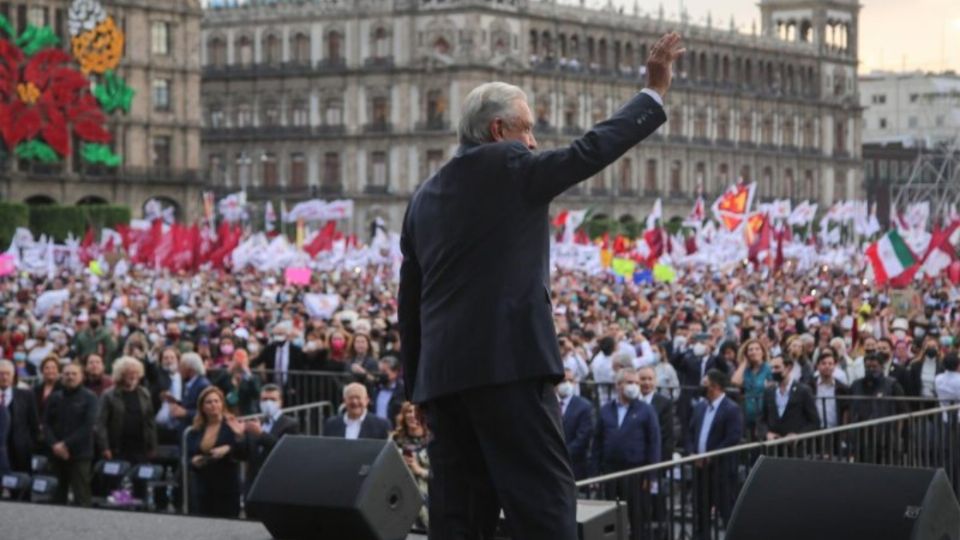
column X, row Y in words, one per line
column 571, row 116
column 271, row 114
column 216, row 116
column 244, row 51
column 723, row 176
column 269, row 164
column 650, row 180
column 160, row 38
column 700, row 125
column 161, row 152
column 298, row 170
column 434, row 161
column 243, row 164
column 912, row 122
column 161, row 95
column 940, row 121
column 378, row 169
column 300, row 114
column 676, row 179
column 216, row 52
column 272, row 51
column 723, row 126
column 700, row 178
column 788, row 132
column 878, row 99
column 37, row 16
column 331, row 170
column 746, row 128
column 215, row 168
column 767, row 130
column 381, row 43
column 334, row 112
column 808, row 135
column 914, row 98
column 244, row 115
column 883, row 123
column 626, row 176
column 300, row 49
column 380, row 110
column 436, row 107
column 334, row 48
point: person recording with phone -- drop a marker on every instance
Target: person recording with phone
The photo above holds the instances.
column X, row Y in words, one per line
column 411, row 438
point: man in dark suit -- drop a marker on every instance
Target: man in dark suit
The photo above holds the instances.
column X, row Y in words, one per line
column 388, row 394
column 788, row 407
column 281, row 356
column 691, row 366
column 578, row 425
column 193, row 373
column 23, row 434
column 357, row 422
column 717, row 423
column 663, row 406
column 479, row 346
column 69, row 423
column 627, row 437
column 828, row 393
column 263, row 433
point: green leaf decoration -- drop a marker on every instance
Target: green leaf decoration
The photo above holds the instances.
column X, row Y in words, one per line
column 114, row 93
column 34, row 39
column 7, row 27
column 37, row 150
column 99, row 153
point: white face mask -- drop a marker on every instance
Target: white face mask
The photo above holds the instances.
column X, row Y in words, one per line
column 565, row 389
column 699, row 349
column 269, row 408
column 631, row 391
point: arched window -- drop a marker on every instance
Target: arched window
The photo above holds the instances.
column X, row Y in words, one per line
column 272, row 50
column 216, row 52
column 381, row 43
column 269, row 178
column 300, row 49
column 335, row 47
column 243, row 51
column 270, row 113
column 441, row 46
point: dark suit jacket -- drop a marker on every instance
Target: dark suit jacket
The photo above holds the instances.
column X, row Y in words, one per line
column 268, row 358
column 4, row 431
column 393, row 406
column 258, row 448
column 373, row 427
column 800, row 415
column 24, row 434
column 664, row 409
column 914, row 379
column 633, row 444
column 578, row 426
column 474, row 299
column 725, row 431
column 190, row 396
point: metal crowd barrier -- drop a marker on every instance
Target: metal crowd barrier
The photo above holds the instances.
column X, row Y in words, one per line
column 692, row 497
column 301, row 387
column 310, row 417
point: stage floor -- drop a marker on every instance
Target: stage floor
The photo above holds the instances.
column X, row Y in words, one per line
column 25, row 521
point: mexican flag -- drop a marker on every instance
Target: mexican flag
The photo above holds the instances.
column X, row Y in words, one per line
column 890, row 257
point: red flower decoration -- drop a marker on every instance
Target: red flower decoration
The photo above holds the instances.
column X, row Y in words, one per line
column 44, row 96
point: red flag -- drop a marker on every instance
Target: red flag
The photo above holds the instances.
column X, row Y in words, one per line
column 323, row 241
column 654, row 239
column 781, row 238
column 762, row 238
column 621, row 244
column 561, row 219
column 691, row 244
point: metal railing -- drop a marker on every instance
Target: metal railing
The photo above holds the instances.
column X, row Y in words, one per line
column 309, row 417
column 301, row 387
column 692, row 497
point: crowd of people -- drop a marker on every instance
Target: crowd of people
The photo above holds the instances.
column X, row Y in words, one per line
column 122, row 367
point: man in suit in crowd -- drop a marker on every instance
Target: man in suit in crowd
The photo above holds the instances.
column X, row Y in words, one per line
column 23, row 434
column 788, row 407
column 193, row 373
column 627, row 436
column 281, row 356
column 691, row 364
column 663, row 406
column 69, row 422
column 388, row 394
column 717, row 423
column 578, row 425
column 829, row 393
column 356, row 422
column 263, row 433
column 479, row 345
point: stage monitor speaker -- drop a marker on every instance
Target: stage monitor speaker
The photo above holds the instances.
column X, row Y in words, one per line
column 790, row 499
column 319, row 488
column 596, row 520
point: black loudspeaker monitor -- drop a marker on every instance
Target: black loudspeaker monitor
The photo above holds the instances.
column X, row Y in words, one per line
column 789, row 499
column 596, row 520
column 320, row 488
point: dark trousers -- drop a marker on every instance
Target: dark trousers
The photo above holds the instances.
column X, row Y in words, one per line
column 500, row 447
column 75, row 474
column 714, row 487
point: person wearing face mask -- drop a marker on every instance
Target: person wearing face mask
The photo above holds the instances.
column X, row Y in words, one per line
column 922, row 373
column 578, row 424
column 388, row 393
column 872, row 389
column 93, row 338
column 264, row 432
column 891, row 367
column 281, row 357
column 627, row 436
column 717, row 424
column 788, row 406
column 691, row 366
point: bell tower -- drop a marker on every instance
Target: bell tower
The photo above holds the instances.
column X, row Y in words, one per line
column 830, row 25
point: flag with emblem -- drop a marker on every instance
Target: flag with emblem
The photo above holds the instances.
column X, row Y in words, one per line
column 890, row 256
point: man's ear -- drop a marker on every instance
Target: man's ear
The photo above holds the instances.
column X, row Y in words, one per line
column 496, row 129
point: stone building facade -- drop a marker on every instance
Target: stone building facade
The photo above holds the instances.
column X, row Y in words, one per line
column 159, row 139
column 360, row 99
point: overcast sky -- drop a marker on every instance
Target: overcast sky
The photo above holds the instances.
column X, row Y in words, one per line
column 916, row 34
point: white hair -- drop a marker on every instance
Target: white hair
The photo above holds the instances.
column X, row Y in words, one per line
column 125, row 363
column 484, row 104
column 193, row 361
column 623, row 372
column 354, row 386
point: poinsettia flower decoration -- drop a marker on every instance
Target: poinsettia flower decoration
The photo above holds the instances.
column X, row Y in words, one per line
column 44, row 99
